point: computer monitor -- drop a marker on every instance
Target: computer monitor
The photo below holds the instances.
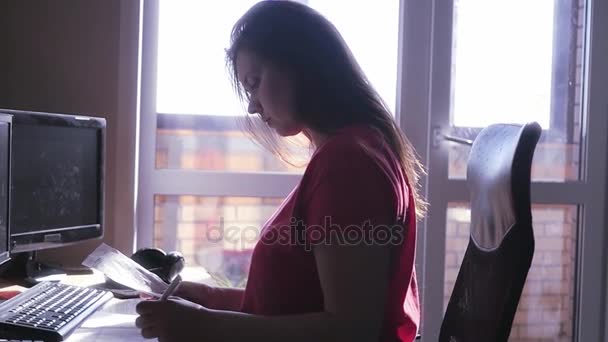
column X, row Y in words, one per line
column 5, row 139
column 57, row 176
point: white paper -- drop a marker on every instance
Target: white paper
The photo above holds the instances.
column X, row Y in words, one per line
column 125, row 271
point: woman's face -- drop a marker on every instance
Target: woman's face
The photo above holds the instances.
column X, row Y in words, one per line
column 270, row 93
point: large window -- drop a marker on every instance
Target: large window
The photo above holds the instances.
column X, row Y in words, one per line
column 203, row 167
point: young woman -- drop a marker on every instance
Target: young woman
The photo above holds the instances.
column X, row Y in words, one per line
column 336, row 261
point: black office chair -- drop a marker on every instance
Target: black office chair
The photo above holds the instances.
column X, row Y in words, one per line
column 501, row 243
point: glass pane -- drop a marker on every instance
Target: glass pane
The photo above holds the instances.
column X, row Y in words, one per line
column 546, row 307
column 374, row 44
column 216, row 233
column 192, row 80
column 217, row 143
column 530, row 69
column 193, row 34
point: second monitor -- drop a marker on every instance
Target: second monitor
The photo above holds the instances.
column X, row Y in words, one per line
column 56, row 182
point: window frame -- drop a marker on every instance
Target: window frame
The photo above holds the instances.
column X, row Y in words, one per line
column 425, row 38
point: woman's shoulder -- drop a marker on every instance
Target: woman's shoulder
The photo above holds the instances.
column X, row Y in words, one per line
column 353, row 141
column 353, row 151
column 353, row 162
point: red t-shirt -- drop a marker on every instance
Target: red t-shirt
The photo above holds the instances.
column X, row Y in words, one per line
column 352, row 185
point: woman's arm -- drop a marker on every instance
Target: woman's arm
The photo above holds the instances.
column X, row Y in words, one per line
column 218, row 298
column 225, row 298
column 354, row 281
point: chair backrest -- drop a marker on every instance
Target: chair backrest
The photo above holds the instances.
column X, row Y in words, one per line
column 501, row 243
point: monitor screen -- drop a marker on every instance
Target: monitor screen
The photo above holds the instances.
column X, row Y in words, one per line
column 56, row 189
column 54, row 183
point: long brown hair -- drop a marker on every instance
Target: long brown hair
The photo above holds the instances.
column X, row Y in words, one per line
column 331, row 90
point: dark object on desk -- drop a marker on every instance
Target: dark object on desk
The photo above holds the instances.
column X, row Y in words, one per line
column 501, row 244
column 165, row 265
column 48, row 311
column 119, row 291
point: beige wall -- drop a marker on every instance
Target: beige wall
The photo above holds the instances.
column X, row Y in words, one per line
column 67, row 56
column 63, row 56
column 3, row 49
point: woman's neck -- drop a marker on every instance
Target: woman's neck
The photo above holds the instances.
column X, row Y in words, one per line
column 317, row 139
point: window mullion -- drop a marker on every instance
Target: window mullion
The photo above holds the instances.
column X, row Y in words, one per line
column 179, row 182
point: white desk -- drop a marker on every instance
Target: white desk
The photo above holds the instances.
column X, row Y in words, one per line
column 115, row 321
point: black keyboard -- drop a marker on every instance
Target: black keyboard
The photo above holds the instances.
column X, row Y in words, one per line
column 48, row 311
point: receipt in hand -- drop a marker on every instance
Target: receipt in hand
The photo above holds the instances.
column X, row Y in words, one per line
column 125, row 271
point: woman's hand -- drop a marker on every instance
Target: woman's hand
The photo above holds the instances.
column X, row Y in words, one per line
column 195, row 292
column 174, row 319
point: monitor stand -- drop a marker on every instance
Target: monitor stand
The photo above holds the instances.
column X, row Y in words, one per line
column 26, row 266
